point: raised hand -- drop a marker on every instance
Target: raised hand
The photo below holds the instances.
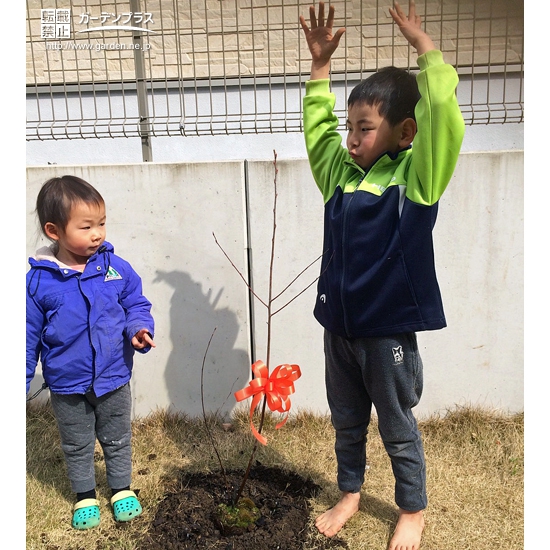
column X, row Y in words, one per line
column 410, row 27
column 321, row 41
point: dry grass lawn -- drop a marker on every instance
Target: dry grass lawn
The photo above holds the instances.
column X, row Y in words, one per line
column 474, row 470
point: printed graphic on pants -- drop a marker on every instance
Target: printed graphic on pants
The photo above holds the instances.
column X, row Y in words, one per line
column 398, row 354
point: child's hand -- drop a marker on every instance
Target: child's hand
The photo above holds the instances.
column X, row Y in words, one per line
column 320, row 40
column 411, row 29
column 142, row 339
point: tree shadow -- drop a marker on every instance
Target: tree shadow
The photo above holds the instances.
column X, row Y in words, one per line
column 194, row 320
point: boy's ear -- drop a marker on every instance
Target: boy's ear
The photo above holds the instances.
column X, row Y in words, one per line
column 408, row 131
column 51, row 231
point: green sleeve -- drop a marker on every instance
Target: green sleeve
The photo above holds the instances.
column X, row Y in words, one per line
column 323, row 142
column 440, row 130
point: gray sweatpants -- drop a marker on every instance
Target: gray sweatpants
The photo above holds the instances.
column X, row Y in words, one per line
column 385, row 372
column 82, row 418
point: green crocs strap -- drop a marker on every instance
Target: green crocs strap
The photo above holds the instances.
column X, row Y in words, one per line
column 121, row 495
column 86, row 503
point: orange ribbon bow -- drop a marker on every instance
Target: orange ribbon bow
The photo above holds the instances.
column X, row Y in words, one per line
column 276, row 387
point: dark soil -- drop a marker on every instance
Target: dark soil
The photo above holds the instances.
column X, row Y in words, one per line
column 185, row 519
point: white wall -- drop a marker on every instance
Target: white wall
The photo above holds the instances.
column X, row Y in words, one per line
column 161, row 217
column 494, row 137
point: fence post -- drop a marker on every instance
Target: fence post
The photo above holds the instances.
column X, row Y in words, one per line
column 141, row 88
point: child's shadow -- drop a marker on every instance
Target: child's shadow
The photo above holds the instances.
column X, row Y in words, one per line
column 194, row 321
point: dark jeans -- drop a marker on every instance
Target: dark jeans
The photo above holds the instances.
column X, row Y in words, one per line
column 385, row 372
column 80, row 418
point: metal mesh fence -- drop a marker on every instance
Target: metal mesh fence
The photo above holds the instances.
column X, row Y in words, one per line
column 166, row 67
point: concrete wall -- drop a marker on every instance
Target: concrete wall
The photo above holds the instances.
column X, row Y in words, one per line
column 162, row 217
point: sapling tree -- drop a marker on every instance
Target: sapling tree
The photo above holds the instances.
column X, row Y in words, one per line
column 267, row 390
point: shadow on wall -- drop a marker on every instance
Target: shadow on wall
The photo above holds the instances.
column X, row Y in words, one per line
column 194, row 319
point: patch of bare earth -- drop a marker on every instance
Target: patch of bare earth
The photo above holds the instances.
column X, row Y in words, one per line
column 185, row 519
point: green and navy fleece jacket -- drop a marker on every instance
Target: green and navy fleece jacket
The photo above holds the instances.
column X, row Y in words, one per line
column 378, row 273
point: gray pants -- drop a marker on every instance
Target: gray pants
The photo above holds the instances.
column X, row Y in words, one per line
column 80, row 418
column 385, row 372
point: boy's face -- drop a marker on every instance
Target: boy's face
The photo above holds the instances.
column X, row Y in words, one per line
column 370, row 135
column 84, row 233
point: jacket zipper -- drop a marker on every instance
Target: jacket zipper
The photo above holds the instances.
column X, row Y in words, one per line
column 343, row 240
column 89, row 332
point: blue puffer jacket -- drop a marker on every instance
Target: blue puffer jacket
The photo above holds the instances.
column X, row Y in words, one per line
column 80, row 324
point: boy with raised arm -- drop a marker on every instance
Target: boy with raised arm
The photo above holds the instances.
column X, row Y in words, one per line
column 378, row 285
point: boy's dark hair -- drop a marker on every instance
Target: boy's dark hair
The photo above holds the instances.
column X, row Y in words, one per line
column 58, row 195
column 393, row 91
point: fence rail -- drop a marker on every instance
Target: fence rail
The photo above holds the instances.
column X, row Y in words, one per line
column 162, row 67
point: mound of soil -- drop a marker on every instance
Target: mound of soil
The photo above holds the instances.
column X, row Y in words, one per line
column 185, row 519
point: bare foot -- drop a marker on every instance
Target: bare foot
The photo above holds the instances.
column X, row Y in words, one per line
column 408, row 531
column 331, row 521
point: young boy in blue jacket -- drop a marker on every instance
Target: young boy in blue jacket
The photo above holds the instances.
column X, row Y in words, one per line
column 378, row 285
column 86, row 315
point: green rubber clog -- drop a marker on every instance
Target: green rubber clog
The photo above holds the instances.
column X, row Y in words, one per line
column 86, row 514
column 126, row 506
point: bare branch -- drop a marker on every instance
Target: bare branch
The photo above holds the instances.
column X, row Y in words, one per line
column 297, row 277
column 240, row 274
column 269, row 316
column 204, row 411
column 304, row 289
column 294, row 298
column 271, row 261
column 251, row 459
